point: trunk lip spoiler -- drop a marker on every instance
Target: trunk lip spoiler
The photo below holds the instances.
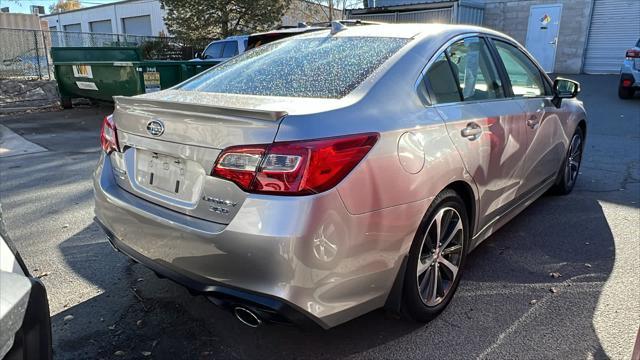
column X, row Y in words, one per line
column 196, row 108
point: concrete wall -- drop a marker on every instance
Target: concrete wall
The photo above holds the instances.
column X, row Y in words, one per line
column 19, row 21
column 512, row 18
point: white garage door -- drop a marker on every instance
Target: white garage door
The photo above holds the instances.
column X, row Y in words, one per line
column 138, row 25
column 615, row 27
column 103, row 26
column 73, row 28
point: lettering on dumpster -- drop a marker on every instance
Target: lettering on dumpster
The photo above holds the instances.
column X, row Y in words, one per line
column 151, row 81
column 82, row 71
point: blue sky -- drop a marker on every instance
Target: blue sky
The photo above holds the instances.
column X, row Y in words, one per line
column 23, row 6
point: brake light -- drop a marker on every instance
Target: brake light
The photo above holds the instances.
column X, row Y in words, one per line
column 108, row 135
column 295, row 167
column 633, row 54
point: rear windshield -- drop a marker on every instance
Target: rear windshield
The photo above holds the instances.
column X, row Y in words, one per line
column 325, row 67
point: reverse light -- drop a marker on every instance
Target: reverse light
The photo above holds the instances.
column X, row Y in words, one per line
column 108, row 136
column 294, row 167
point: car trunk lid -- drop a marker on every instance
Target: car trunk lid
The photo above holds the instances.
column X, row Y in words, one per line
column 169, row 146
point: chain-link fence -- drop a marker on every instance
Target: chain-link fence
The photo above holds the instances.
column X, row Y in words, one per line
column 25, row 53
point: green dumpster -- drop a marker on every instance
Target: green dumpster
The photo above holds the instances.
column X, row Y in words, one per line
column 101, row 73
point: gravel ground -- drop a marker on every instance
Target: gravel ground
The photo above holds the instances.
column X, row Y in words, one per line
column 104, row 306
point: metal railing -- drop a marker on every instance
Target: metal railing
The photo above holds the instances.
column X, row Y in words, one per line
column 24, row 54
column 84, row 39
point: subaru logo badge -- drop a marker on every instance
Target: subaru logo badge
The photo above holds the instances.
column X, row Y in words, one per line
column 155, row 127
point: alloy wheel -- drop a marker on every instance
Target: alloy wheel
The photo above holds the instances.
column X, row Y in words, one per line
column 440, row 256
column 573, row 162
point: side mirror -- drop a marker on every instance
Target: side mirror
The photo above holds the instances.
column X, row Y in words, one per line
column 197, row 55
column 564, row 89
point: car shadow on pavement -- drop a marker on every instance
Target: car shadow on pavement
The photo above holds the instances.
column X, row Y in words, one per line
column 508, row 304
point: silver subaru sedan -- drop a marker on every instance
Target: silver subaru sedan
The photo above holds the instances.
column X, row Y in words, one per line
column 317, row 178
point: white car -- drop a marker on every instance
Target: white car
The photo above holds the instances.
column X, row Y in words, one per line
column 25, row 327
column 221, row 50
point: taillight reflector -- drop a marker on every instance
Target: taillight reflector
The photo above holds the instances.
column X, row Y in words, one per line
column 293, row 168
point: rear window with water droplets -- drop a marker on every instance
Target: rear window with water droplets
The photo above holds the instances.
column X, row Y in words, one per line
column 325, row 67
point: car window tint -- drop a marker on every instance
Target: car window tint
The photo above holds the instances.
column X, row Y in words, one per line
column 323, row 67
column 477, row 75
column 214, row 50
column 524, row 75
column 440, row 82
column 230, row 49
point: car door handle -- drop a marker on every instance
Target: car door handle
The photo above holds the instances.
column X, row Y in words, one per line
column 472, row 131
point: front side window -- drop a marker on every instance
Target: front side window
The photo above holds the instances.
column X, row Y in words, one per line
column 322, row 67
column 214, row 50
column 475, row 71
column 525, row 78
column 230, row 49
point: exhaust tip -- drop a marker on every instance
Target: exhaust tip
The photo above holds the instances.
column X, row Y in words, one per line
column 247, row 317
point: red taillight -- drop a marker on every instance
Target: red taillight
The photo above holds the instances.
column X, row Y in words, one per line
column 293, row 168
column 633, row 54
column 626, row 83
column 108, row 136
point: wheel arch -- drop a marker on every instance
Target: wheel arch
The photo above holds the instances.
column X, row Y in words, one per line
column 582, row 124
column 465, row 191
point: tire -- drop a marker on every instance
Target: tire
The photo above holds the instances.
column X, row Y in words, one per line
column 567, row 176
column 419, row 304
column 625, row 92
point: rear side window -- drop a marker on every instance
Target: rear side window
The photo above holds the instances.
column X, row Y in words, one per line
column 475, row 71
column 230, row 49
column 524, row 75
column 440, row 82
column 322, row 67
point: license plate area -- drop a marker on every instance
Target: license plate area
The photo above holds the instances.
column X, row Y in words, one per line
column 166, row 175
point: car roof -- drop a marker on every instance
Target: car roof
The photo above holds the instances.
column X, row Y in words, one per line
column 408, row 31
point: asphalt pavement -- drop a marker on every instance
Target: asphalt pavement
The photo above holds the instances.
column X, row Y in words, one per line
column 508, row 306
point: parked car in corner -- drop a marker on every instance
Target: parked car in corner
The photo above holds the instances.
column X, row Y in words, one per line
column 630, row 73
column 24, row 309
column 322, row 176
column 222, row 50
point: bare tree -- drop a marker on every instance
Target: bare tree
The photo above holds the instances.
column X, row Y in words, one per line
column 326, row 10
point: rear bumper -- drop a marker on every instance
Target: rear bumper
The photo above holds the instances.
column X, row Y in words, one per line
column 270, row 308
column 267, row 255
column 629, row 72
